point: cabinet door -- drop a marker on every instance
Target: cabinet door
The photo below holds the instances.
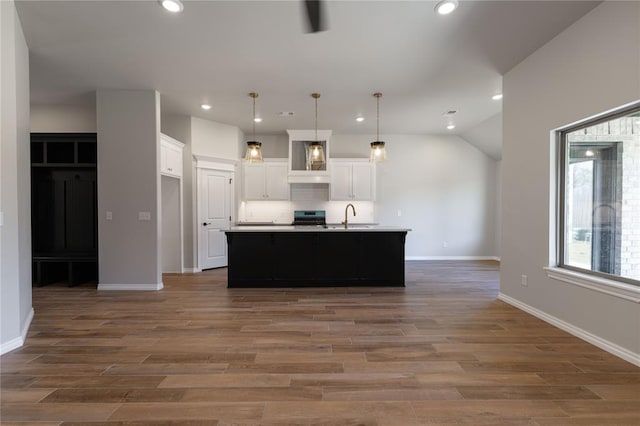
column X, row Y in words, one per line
column 163, row 158
column 362, row 181
column 277, row 186
column 254, row 175
column 173, row 161
column 341, row 181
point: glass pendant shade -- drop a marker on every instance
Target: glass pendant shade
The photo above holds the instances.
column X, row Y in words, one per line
column 315, row 157
column 254, row 152
column 254, row 148
column 378, row 152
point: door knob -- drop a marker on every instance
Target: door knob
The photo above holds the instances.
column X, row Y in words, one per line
column 206, row 223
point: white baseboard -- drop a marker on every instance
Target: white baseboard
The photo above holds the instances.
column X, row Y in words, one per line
column 18, row 341
column 136, row 287
column 451, row 258
column 606, row 345
column 191, row 270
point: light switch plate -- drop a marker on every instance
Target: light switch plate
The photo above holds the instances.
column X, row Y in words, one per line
column 144, row 215
column 109, row 216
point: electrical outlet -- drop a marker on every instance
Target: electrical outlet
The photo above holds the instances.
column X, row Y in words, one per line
column 144, row 215
column 524, row 281
column 445, row 244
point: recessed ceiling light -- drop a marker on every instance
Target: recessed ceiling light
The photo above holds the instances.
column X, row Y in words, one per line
column 445, row 7
column 589, row 153
column 497, row 96
column 258, row 120
column 451, row 126
column 360, row 119
column 205, row 107
column 173, row 6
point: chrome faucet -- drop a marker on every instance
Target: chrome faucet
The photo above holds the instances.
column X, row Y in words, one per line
column 346, row 210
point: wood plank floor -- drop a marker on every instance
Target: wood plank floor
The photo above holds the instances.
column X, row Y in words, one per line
column 441, row 351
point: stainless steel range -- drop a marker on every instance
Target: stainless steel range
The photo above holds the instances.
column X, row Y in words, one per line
column 310, row 218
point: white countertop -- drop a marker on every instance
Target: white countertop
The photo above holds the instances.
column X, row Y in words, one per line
column 329, row 228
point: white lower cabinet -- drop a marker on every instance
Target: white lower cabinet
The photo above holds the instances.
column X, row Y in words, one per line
column 352, row 180
column 266, row 181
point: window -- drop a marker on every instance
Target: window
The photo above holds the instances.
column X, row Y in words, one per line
column 600, row 197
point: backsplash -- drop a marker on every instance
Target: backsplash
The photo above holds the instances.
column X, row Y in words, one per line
column 281, row 212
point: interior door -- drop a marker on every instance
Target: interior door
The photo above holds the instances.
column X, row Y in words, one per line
column 215, row 200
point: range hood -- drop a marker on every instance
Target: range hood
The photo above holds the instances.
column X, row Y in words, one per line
column 309, row 178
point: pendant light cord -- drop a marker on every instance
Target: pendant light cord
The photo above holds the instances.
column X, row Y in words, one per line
column 254, row 95
column 377, row 95
column 254, row 118
column 316, row 96
column 377, row 118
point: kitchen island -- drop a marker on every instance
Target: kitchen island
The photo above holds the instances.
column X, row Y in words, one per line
column 292, row 256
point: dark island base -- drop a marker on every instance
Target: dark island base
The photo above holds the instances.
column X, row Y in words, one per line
column 315, row 259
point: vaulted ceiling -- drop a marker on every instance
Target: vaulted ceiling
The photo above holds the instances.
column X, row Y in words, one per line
column 217, row 52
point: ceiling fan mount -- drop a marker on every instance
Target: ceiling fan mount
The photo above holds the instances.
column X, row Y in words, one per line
column 316, row 20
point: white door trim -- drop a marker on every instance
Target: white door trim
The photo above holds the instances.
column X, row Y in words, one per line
column 201, row 167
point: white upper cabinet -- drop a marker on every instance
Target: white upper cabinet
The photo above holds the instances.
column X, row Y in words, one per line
column 170, row 156
column 266, row 181
column 352, row 180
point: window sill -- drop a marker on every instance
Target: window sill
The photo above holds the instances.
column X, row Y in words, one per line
column 613, row 288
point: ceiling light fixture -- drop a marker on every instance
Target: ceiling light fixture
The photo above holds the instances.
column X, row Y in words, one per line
column 315, row 155
column 497, row 96
column 205, row 107
column 451, row 126
column 445, row 7
column 254, row 148
column 258, row 120
column 378, row 151
column 360, row 119
column 173, row 6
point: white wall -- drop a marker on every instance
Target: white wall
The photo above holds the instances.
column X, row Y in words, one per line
column 170, row 226
column 274, row 146
column 591, row 67
column 443, row 187
column 179, row 127
column 220, row 141
column 216, row 139
column 16, row 309
column 128, row 183
column 60, row 118
column 498, row 224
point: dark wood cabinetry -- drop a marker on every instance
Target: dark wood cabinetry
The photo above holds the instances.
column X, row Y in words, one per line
column 292, row 259
column 64, row 207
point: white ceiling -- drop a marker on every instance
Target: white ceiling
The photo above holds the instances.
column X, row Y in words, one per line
column 219, row 51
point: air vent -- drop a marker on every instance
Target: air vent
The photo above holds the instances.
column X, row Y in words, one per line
column 286, row 114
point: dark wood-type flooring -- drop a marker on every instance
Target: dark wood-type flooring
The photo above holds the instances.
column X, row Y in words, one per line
column 441, row 351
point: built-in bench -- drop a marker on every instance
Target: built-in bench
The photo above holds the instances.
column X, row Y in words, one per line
column 72, row 269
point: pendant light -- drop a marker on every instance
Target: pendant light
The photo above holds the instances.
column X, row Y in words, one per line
column 254, row 148
column 378, row 152
column 315, row 156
